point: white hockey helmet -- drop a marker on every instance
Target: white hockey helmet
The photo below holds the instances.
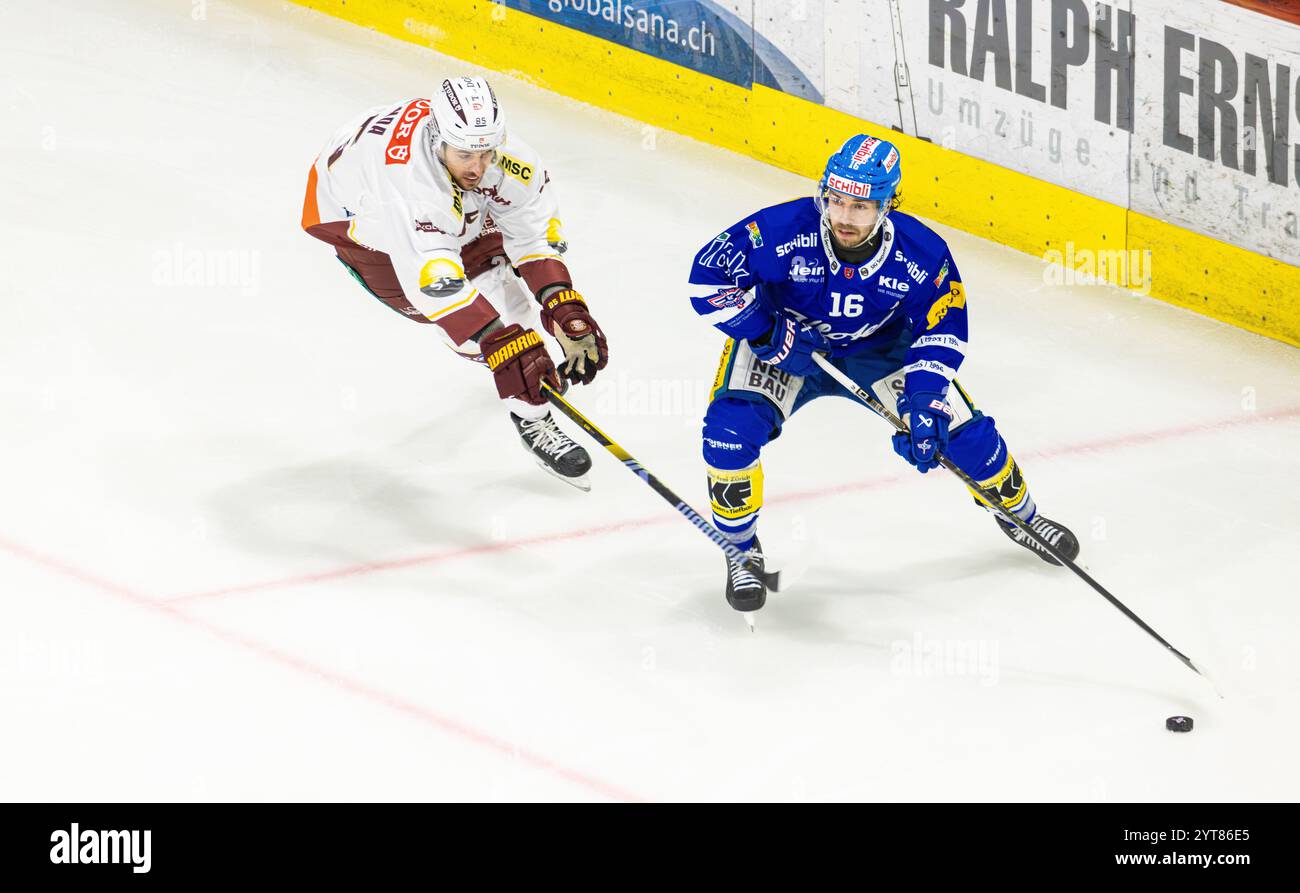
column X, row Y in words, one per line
column 466, row 115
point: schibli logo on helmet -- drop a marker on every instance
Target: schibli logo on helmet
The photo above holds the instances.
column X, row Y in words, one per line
column 864, row 168
column 864, row 151
column 848, row 187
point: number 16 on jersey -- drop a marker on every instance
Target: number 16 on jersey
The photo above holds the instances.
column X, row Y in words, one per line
column 846, row 305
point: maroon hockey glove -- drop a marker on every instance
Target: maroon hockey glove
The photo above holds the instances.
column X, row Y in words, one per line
column 565, row 315
column 519, row 363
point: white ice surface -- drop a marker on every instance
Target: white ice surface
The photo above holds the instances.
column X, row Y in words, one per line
column 425, row 615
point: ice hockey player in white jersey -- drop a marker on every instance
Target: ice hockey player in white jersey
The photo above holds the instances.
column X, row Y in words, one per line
column 452, row 222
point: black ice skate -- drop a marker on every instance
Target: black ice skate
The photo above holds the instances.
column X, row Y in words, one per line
column 1059, row 536
column 746, row 588
column 554, row 450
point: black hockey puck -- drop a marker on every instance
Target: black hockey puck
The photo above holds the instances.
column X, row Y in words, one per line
column 1179, row 723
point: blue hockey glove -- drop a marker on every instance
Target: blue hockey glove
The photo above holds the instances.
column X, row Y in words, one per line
column 928, row 434
column 789, row 346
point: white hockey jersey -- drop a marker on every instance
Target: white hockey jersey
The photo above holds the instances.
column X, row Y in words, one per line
column 378, row 185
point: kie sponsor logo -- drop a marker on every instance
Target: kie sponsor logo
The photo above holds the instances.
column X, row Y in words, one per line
column 891, row 283
column 88, row 847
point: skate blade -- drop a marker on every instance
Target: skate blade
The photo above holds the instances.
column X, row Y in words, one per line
column 582, row 482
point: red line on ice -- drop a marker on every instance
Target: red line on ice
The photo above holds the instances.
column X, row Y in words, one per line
column 369, row 567
column 323, row 674
column 663, row 517
column 461, row 730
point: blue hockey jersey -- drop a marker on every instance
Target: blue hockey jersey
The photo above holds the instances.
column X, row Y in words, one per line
column 780, row 259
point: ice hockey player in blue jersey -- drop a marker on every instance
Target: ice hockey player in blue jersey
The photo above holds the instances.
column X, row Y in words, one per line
column 846, row 274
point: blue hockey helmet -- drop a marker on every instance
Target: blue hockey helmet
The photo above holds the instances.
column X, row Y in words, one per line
column 865, row 168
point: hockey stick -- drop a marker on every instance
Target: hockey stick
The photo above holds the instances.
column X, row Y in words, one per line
column 991, row 499
column 772, row 579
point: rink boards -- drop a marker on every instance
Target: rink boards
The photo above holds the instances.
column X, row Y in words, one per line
column 1004, row 133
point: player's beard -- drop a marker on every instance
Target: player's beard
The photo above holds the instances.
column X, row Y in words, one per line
column 859, row 238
